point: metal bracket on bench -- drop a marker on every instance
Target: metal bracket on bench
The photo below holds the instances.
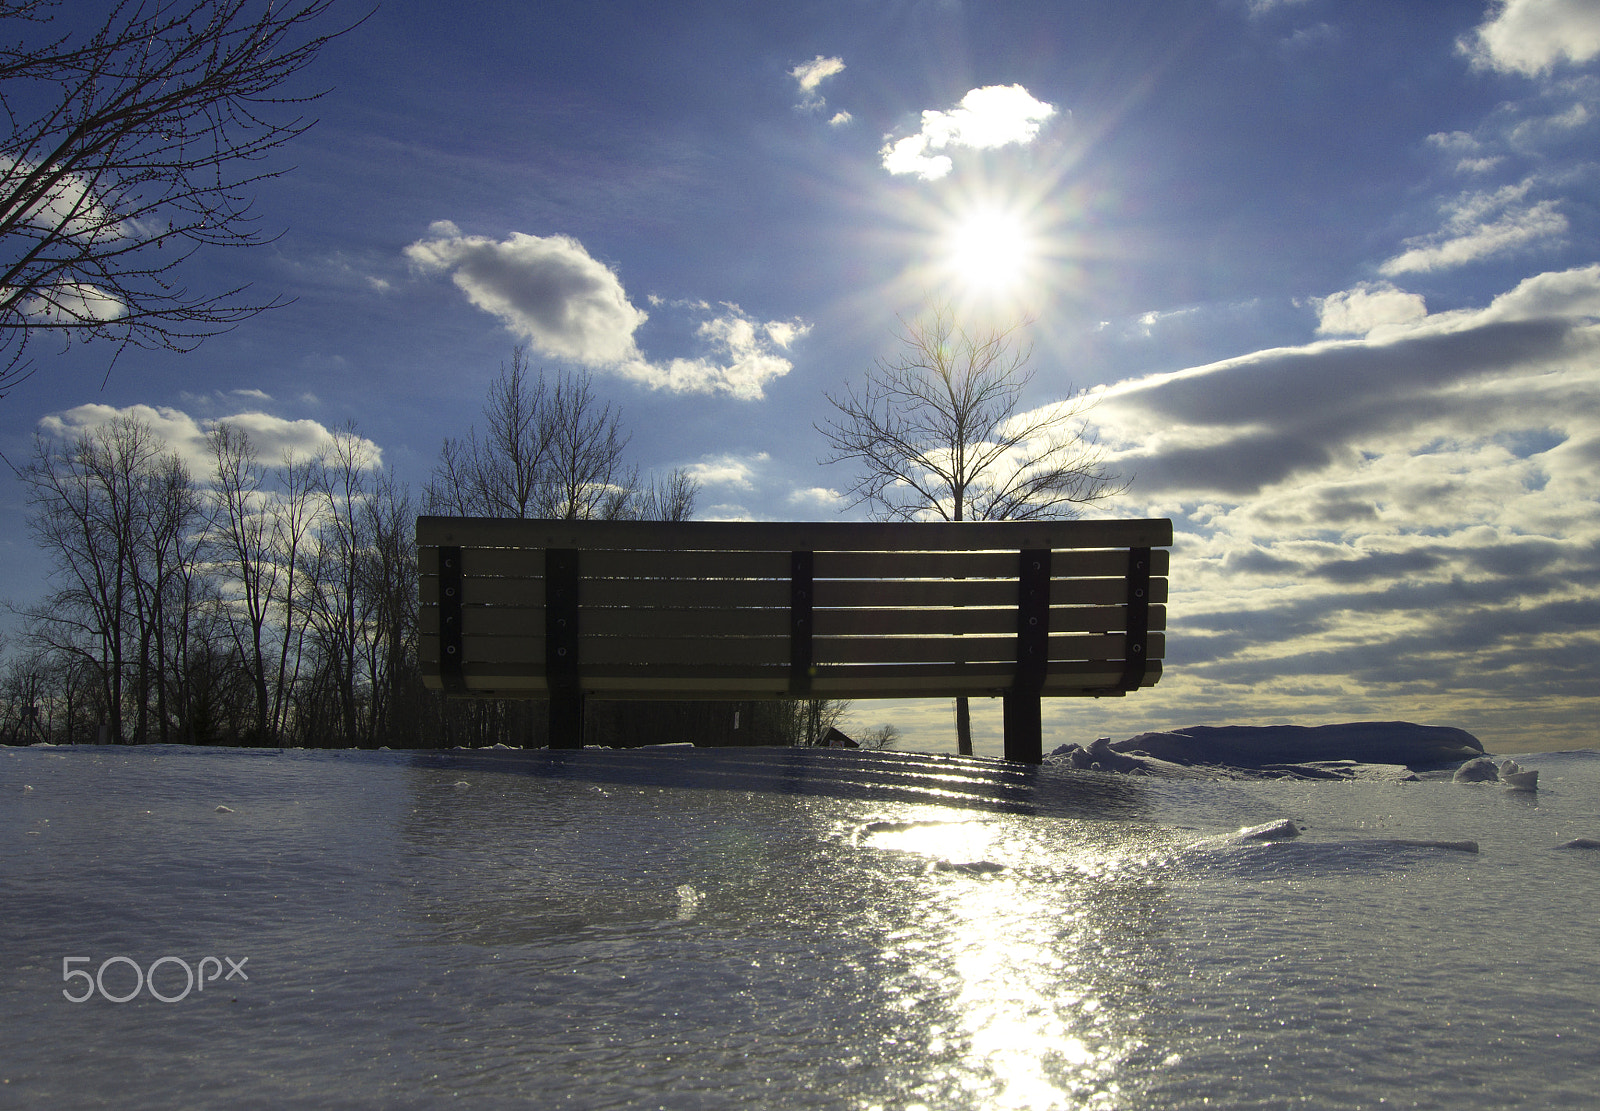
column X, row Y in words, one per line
column 450, row 651
column 801, row 566
column 1033, row 620
column 561, row 647
column 1024, row 734
column 1138, row 618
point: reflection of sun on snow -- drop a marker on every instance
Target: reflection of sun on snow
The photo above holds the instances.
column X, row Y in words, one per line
column 955, row 842
column 1016, row 1024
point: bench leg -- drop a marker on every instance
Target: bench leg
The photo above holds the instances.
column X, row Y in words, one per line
column 566, row 719
column 1024, row 731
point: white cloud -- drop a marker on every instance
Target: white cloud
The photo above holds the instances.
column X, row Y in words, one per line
column 737, row 472
column 566, row 305
column 990, row 117
column 1470, row 153
column 1262, row 7
column 809, row 75
column 185, row 435
column 546, row 289
column 745, row 358
column 1155, row 318
column 840, row 119
column 1540, row 134
column 817, row 497
column 1571, row 294
column 783, row 332
column 1482, row 225
column 1366, row 308
column 1531, row 36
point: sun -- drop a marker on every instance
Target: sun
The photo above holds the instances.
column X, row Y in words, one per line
column 990, row 251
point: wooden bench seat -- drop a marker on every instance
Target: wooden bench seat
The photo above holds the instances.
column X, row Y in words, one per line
column 709, row 610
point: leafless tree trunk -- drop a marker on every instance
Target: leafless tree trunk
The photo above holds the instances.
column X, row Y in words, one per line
column 246, row 524
column 549, row 450
column 334, row 570
column 294, row 519
column 129, row 149
column 172, row 532
column 389, row 576
column 936, row 434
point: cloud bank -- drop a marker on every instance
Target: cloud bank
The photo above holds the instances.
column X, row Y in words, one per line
column 990, row 117
column 273, row 437
column 565, row 304
column 1407, row 519
column 1530, row 361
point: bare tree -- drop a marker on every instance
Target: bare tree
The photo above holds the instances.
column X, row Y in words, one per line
column 85, row 502
column 247, row 528
column 879, row 737
column 170, row 541
column 665, row 499
column 586, row 478
column 129, row 150
column 388, row 582
column 293, row 523
column 501, row 474
column 551, row 450
column 936, row 433
column 333, row 567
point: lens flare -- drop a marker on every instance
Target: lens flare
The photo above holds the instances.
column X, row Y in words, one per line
column 990, row 250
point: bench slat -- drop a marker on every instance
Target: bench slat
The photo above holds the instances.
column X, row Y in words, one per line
column 774, row 594
column 783, row 536
column 529, row 621
column 849, row 593
column 528, row 563
column 633, row 564
column 884, row 681
column 514, row 563
column 599, row 653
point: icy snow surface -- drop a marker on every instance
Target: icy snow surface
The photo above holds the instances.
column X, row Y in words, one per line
column 691, row 928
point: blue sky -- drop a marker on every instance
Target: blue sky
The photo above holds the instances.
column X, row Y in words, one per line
column 1333, row 268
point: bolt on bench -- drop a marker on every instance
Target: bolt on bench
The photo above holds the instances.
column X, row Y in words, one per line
column 569, row 610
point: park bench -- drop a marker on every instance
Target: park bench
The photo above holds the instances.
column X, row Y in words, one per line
column 569, row 610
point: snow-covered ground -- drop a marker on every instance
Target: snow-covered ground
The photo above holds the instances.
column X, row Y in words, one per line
column 784, row 928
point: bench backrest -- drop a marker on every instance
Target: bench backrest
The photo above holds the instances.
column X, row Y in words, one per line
column 713, row 610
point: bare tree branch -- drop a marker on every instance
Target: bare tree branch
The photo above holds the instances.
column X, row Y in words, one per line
column 128, row 151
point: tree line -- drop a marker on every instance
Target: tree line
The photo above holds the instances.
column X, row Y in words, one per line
column 274, row 602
